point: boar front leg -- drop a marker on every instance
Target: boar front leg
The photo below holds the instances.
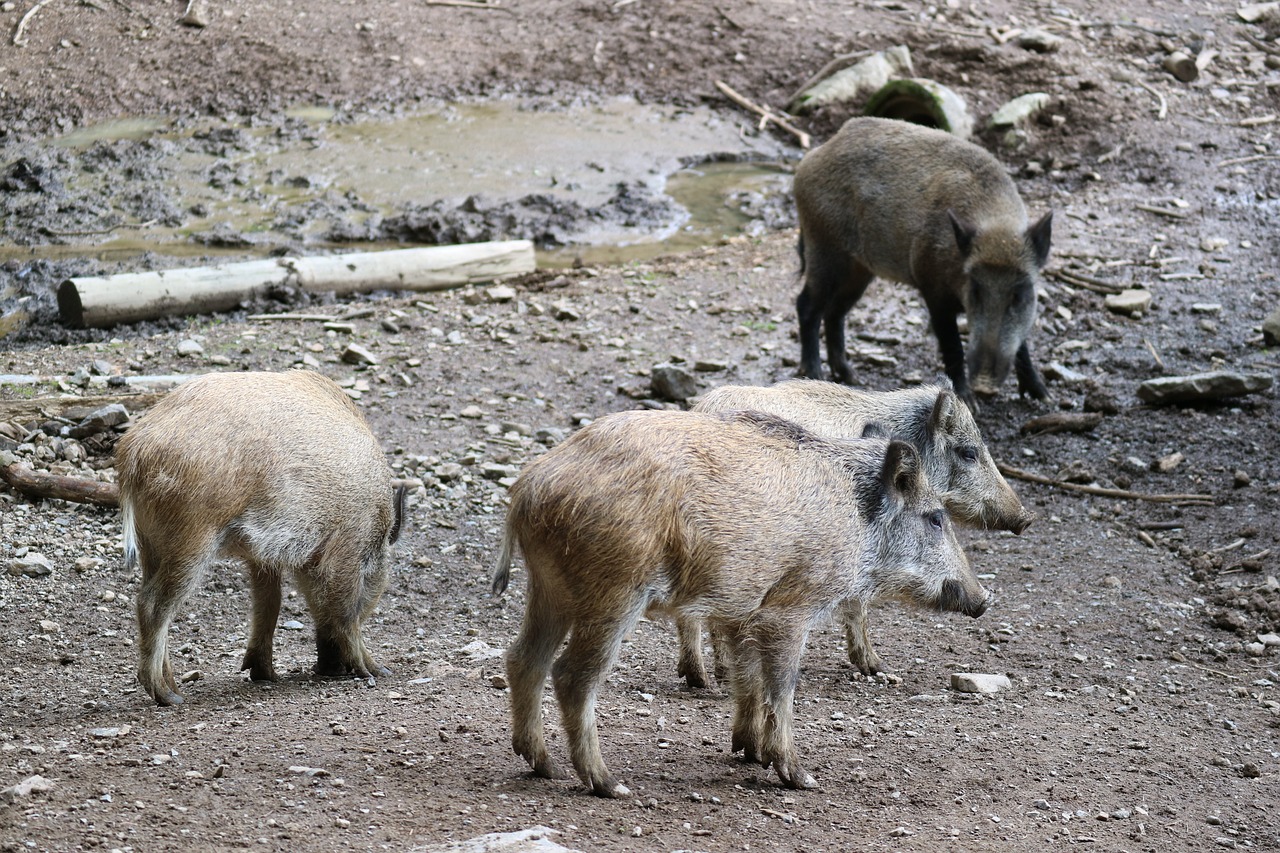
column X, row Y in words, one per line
column 861, row 654
column 259, row 658
column 943, row 320
column 780, row 637
column 1029, row 380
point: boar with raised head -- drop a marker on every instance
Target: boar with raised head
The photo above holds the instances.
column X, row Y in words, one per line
column 956, row 462
column 912, row 204
column 745, row 519
column 279, row 470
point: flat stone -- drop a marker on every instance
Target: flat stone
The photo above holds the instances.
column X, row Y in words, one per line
column 25, row 788
column 672, row 382
column 356, row 354
column 1039, row 41
column 1129, row 302
column 189, row 347
column 500, row 293
column 549, row 436
column 447, row 471
column 857, row 80
column 1201, row 387
column 494, row 471
column 701, row 366
column 109, row 732
column 978, row 682
column 1020, row 109
column 1057, row 372
column 292, row 625
column 563, row 310
column 535, row 839
column 1269, row 640
column 479, row 650
column 471, row 413
column 32, row 565
column 1271, row 329
column 101, row 420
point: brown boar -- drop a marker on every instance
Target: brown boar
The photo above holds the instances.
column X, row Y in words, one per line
column 956, row 462
column 279, row 470
column 917, row 205
column 744, row 519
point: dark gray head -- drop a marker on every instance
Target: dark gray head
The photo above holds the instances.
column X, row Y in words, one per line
column 1002, row 267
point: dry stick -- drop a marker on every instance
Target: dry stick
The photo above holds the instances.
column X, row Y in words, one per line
column 1260, row 44
column 18, row 40
column 1240, row 161
column 41, row 484
column 1019, row 474
column 1164, row 105
column 1216, row 671
column 1155, row 355
column 1076, row 279
column 1163, row 211
column 467, row 4
column 745, row 103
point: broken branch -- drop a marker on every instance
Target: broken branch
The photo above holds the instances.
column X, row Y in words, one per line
column 1019, row 474
column 18, row 40
column 41, row 484
column 764, row 112
column 1164, row 105
column 1076, row 279
column 1062, row 422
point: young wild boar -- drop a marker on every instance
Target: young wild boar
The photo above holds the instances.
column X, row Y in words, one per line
column 744, row 519
column 280, row 470
column 909, row 203
column 930, row 417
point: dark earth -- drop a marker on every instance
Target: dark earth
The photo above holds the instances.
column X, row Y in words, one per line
column 1144, row 712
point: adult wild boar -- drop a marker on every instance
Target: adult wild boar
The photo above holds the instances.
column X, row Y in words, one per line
column 750, row 521
column 893, row 199
column 931, row 418
column 280, row 470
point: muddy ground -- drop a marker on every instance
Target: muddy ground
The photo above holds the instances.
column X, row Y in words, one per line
column 1144, row 708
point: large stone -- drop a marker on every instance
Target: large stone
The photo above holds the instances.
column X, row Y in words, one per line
column 100, row 420
column 1201, row 387
column 979, row 682
column 1129, row 302
column 672, row 382
column 1020, row 110
column 535, row 839
column 1271, row 329
column 356, row 354
column 32, row 565
column 855, row 81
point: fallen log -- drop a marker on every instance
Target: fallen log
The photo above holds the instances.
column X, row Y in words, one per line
column 99, row 302
column 71, row 407
column 1062, row 422
column 42, row 484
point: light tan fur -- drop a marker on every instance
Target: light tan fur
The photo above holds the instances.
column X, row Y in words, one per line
column 956, row 462
column 917, row 205
column 744, row 519
column 279, row 470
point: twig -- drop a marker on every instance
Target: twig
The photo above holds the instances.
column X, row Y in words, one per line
column 97, row 232
column 18, row 40
column 1260, row 44
column 1130, row 25
column 1239, row 543
column 1164, row 105
column 1160, row 525
column 1097, row 285
column 1240, row 161
column 1216, row 671
column 42, row 484
column 840, row 63
column 1256, row 121
column 765, row 112
column 1163, row 211
column 1019, row 474
column 468, row 4
column 1062, row 422
column 1155, row 355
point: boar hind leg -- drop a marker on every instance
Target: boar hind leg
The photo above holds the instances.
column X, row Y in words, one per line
column 1029, row 381
column 839, row 302
column 258, row 657
column 168, row 579
column 691, row 667
column 861, row 654
column 577, row 675
column 748, row 711
column 780, row 637
column 528, row 662
column 338, row 594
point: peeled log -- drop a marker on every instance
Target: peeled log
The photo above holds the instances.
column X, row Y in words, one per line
column 128, row 298
column 42, row 484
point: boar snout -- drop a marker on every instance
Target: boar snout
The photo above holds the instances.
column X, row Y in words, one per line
column 1022, row 522
column 956, row 597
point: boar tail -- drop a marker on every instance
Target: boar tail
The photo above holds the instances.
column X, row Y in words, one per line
column 397, row 526
column 502, row 568
column 130, row 532
column 800, row 250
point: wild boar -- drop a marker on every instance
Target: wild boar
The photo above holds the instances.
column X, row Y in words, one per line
column 956, row 462
column 279, row 470
column 745, row 519
column 912, row 204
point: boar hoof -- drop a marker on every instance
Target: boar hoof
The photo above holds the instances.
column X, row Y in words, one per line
column 749, row 747
column 695, row 678
column 611, row 789
column 166, row 698
column 549, row 770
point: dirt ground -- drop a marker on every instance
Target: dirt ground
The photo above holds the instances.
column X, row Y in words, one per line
column 1144, row 712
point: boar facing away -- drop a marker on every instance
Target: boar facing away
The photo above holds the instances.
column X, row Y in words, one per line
column 955, row 459
column 749, row 521
column 279, row 470
column 917, row 205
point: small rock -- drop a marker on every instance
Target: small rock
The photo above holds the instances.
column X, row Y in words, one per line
column 1212, row 244
column 189, row 347
column 1249, row 770
column 447, row 471
column 563, row 310
column 1240, row 479
column 1019, row 110
column 1182, row 66
column 672, row 382
column 1271, row 641
column 1056, row 372
column 471, row 413
column 855, row 81
column 220, row 360
column 292, row 625
column 196, row 15
column 356, row 354
column 1129, row 302
column 100, row 420
column 478, row 651
column 494, row 471
column 110, row 732
column 299, row 770
column 550, row 436
column 25, row 788
column 102, row 368
column 498, row 682
column 977, row 682
column 1039, row 41
column 1206, row 308
column 1271, row 329
column 49, row 627
column 702, row 366
column 1255, row 650
column 1165, row 464
column 500, row 293
column 1201, row 387
column 390, row 326
column 32, row 565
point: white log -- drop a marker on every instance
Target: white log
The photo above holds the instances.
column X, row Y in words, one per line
column 108, row 300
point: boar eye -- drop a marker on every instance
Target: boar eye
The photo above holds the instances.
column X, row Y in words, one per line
column 935, row 519
column 967, row 452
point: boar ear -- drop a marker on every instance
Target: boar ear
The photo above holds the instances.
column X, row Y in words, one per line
column 901, row 472
column 942, row 418
column 964, row 233
column 874, row 429
column 1038, row 238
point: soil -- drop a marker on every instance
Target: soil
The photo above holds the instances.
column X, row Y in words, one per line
column 1143, row 713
